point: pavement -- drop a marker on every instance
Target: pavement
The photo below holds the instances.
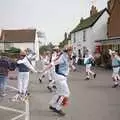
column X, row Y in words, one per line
column 90, row 100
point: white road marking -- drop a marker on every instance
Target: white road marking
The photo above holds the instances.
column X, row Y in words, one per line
column 25, row 113
column 11, row 109
column 17, row 117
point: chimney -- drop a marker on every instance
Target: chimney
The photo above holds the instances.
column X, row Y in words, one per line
column 81, row 20
column 93, row 10
column 65, row 36
column 110, row 4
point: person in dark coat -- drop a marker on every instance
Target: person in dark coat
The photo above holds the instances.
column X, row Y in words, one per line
column 5, row 66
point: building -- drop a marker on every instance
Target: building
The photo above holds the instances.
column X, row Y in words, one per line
column 89, row 30
column 66, row 41
column 114, row 19
column 69, row 40
column 21, row 38
column 113, row 28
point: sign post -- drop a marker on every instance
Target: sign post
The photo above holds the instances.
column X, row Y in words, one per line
column 39, row 35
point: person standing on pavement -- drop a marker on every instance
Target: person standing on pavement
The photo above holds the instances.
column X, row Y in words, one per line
column 4, row 69
column 116, row 67
column 60, row 99
column 88, row 60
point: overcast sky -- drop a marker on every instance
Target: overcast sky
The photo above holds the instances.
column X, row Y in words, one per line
column 54, row 17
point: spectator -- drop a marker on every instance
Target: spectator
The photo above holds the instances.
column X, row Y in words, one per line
column 4, row 68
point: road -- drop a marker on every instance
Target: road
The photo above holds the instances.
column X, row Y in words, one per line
column 90, row 100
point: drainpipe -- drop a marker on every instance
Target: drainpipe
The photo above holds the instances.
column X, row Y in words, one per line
column 3, row 38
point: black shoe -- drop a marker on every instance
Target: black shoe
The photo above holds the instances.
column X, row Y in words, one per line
column 43, row 76
column 52, row 108
column 50, row 81
column 27, row 94
column 54, row 87
column 94, row 76
column 87, row 78
column 115, row 85
column 50, row 89
column 60, row 112
column 40, row 80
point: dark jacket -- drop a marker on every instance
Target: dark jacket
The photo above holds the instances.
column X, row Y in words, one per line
column 5, row 66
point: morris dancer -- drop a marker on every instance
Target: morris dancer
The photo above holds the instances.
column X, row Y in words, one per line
column 61, row 75
column 116, row 67
column 45, row 62
column 54, row 56
column 88, row 62
column 72, row 64
column 24, row 66
column 31, row 56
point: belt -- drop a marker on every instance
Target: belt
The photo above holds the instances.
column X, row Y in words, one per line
column 62, row 74
column 115, row 66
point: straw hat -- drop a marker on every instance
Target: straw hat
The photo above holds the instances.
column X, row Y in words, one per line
column 67, row 48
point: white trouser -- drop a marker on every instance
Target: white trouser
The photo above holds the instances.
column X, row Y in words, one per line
column 52, row 76
column 49, row 75
column 46, row 73
column 23, row 81
column 62, row 91
column 115, row 74
column 73, row 67
column 88, row 70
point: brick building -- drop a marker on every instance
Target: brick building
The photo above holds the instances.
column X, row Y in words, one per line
column 113, row 28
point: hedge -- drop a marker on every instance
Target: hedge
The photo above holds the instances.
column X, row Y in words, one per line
column 13, row 50
column 10, row 55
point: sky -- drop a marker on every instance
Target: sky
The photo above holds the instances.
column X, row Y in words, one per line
column 52, row 17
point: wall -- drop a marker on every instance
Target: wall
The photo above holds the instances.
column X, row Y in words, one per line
column 114, row 21
column 99, row 30
column 23, row 46
column 1, row 46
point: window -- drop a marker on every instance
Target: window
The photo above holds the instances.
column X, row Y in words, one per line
column 79, row 53
column 74, row 39
column 84, row 51
column 84, row 35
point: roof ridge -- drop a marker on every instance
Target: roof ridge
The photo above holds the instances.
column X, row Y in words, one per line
column 89, row 21
column 95, row 14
